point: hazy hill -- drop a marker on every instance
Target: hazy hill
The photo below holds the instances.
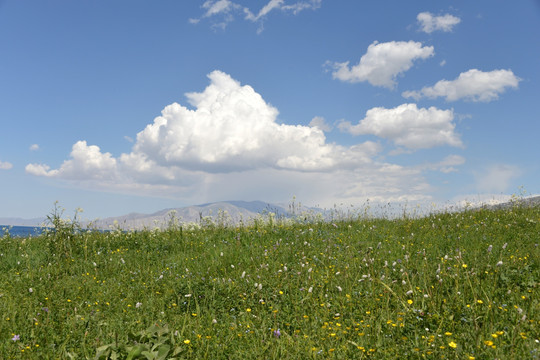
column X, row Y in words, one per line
column 225, row 211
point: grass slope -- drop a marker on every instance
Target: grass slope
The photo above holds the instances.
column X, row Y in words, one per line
column 453, row 285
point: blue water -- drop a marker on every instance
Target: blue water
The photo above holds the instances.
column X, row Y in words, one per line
column 21, row 231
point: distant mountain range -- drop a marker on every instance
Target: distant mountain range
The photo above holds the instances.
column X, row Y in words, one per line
column 227, row 212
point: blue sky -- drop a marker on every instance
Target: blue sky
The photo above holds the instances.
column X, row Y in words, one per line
column 136, row 106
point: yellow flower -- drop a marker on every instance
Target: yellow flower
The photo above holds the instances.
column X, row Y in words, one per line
column 248, row 310
column 409, row 301
column 464, row 266
column 488, row 342
column 186, row 342
column 479, row 301
column 447, row 333
column 452, row 344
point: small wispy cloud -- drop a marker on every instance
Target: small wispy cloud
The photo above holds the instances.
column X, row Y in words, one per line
column 34, row 147
column 225, row 11
column 382, row 63
column 496, row 178
column 474, row 85
column 4, row 165
column 430, row 23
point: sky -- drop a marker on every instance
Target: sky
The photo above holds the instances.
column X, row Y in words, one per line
column 136, row 106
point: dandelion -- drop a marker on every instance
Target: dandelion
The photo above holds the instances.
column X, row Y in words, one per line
column 488, row 343
column 452, row 344
column 409, row 302
column 187, row 341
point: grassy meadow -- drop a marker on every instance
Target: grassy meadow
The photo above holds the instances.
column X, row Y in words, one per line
column 460, row 285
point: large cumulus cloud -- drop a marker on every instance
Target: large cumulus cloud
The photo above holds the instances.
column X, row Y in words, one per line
column 229, row 144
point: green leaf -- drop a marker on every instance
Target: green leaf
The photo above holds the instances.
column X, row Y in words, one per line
column 163, row 351
column 136, row 352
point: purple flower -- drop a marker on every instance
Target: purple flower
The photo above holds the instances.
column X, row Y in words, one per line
column 277, row 333
column 15, row 338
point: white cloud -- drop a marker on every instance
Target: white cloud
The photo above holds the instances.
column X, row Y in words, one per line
column 320, row 122
column 382, row 63
column 86, row 163
column 229, row 145
column 496, row 178
column 408, row 126
column 225, row 10
column 473, row 85
column 430, row 23
column 446, row 165
column 4, row 165
column 34, row 147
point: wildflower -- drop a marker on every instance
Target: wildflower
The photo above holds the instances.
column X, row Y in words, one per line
column 448, row 333
column 30, row 290
column 138, row 305
column 452, row 344
column 488, row 342
column 248, row 310
column 277, row 333
column 15, row 338
column 505, row 245
column 464, row 266
column 409, row 302
column 187, row 341
column 479, row 301
column 500, row 263
column 490, row 247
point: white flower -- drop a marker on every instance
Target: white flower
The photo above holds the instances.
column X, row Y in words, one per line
column 30, row 290
column 138, row 305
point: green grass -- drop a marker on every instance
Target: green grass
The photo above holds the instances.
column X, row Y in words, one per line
column 363, row 288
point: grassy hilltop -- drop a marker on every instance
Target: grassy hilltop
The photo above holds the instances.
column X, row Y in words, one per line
column 451, row 285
